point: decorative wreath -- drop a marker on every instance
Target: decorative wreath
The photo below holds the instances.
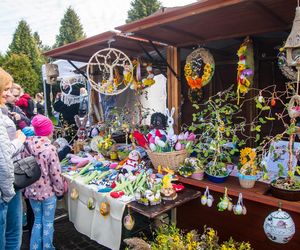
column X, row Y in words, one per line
column 289, row 72
column 199, row 68
column 245, row 67
column 110, row 71
column 139, row 83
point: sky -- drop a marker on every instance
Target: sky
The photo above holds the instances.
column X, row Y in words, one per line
column 44, row 16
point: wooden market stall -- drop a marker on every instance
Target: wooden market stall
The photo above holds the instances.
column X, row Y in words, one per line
column 220, row 26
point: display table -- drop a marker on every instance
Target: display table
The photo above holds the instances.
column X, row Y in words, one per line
column 106, row 230
column 151, row 212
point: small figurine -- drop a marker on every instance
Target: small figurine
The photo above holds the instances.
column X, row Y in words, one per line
column 132, row 162
column 82, row 131
column 170, row 121
column 158, row 134
column 167, row 191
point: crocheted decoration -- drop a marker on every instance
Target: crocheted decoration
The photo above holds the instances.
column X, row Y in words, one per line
column 199, row 68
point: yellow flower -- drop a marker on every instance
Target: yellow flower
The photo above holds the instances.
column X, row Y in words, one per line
column 243, row 89
column 241, row 67
column 242, row 50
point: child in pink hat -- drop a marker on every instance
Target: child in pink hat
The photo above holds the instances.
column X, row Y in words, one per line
column 43, row 193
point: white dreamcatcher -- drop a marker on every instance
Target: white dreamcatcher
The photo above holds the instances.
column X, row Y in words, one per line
column 66, row 87
column 109, row 71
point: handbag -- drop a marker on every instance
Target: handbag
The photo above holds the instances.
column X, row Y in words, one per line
column 27, row 171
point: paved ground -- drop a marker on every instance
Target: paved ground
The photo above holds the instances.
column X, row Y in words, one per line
column 66, row 237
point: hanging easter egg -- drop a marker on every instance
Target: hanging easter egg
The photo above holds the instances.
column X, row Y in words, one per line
column 104, row 208
column 74, row 194
column 244, row 210
column 229, row 207
column 237, row 209
column 279, row 227
column 203, row 200
column 210, row 200
column 91, row 203
column 128, row 222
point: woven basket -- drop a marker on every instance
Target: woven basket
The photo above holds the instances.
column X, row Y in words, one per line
column 246, row 183
column 171, row 160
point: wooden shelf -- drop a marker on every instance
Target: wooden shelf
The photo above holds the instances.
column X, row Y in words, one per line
column 259, row 193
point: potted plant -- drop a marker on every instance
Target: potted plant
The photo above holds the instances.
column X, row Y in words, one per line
column 248, row 168
column 217, row 123
column 192, row 167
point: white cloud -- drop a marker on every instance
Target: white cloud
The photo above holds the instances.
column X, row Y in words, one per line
column 96, row 16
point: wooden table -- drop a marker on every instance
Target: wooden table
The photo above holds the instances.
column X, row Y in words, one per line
column 151, row 212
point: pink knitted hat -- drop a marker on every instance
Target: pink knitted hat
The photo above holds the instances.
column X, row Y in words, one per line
column 42, row 125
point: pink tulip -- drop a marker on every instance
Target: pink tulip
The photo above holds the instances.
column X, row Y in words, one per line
column 178, row 146
column 180, row 136
column 186, row 135
column 191, row 137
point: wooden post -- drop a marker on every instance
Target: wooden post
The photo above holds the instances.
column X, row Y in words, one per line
column 174, row 85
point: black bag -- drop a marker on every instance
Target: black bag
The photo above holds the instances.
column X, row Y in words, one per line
column 27, row 171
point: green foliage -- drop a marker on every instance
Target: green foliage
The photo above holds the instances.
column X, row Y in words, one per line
column 24, row 43
column 19, row 66
column 70, row 30
column 2, row 59
column 217, row 122
column 142, row 8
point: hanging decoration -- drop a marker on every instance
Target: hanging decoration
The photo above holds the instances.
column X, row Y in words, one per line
column 139, row 83
column 128, row 220
column 199, row 68
column 69, row 87
column 239, row 208
column 245, row 67
column 279, row 226
column 110, row 71
column 104, row 208
column 225, row 202
column 289, row 72
column 207, row 198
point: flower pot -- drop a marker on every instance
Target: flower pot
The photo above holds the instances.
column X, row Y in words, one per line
column 247, row 181
column 198, row 176
column 217, row 179
column 285, row 194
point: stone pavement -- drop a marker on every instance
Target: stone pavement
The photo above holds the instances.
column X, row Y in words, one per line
column 66, row 237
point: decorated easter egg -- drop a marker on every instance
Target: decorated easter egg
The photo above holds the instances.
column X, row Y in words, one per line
column 203, row 199
column 128, row 222
column 74, row 194
column 91, row 203
column 238, row 209
column 279, row 227
column 104, row 208
column 210, row 200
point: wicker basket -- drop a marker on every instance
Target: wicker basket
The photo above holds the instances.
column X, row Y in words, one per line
column 171, row 160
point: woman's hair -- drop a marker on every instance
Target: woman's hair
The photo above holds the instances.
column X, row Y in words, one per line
column 5, row 78
column 16, row 86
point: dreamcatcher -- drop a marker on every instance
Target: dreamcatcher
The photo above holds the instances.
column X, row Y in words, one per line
column 67, row 87
column 110, row 71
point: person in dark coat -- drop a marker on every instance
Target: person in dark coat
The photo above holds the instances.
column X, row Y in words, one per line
column 27, row 105
column 15, row 113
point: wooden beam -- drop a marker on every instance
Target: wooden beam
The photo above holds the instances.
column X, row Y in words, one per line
column 181, row 31
column 174, row 86
column 267, row 12
column 236, row 35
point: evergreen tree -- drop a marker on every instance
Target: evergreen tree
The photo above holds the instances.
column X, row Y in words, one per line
column 19, row 66
column 142, row 8
column 38, row 40
column 24, row 43
column 2, row 59
column 70, row 30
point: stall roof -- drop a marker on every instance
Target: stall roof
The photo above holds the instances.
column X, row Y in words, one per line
column 210, row 20
column 84, row 49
